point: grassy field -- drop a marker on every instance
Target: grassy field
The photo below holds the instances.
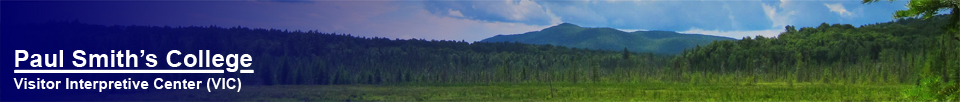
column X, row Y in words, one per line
column 546, row 92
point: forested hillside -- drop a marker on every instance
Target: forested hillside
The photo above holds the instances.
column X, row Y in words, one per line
column 570, row 35
column 894, row 52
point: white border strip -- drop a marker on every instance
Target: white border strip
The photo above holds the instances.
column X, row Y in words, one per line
column 125, row 71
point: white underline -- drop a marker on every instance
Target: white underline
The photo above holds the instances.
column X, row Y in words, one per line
column 126, row 71
column 246, row 71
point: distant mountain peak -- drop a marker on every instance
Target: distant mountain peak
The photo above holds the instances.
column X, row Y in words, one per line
column 604, row 38
column 567, row 25
column 563, row 26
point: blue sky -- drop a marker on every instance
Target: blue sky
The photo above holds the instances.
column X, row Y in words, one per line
column 471, row 20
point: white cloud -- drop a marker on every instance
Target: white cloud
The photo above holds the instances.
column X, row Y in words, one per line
column 400, row 21
column 632, row 30
column 779, row 19
column 454, row 13
column 772, row 15
column 510, row 11
column 736, row 34
column 423, row 24
column 785, row 3
column 839, row 9
column 519, row 10
column 733, row 20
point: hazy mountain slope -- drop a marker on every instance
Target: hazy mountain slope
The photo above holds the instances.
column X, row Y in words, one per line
column 571, row 35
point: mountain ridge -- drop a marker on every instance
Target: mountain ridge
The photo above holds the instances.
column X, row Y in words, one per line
column 605, row 38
